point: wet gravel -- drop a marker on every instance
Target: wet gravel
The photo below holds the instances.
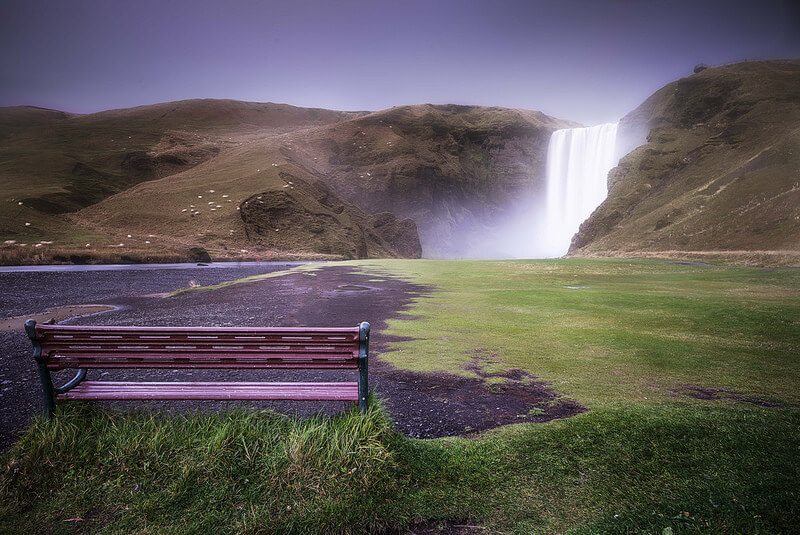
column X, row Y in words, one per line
column 28, row 292
column 421, row 405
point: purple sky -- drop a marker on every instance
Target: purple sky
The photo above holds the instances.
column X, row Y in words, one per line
column 591, row 61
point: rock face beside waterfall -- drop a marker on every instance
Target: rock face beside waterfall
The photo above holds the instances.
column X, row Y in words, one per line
column 459, row 172
column 718, row 171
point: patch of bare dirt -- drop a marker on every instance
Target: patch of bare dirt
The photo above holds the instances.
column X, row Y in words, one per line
column 439, row 405
column 427, row 405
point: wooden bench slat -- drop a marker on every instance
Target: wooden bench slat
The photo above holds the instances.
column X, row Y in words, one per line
column 212, row 354
column 166, row 349
column 183, row 330
column 155, row 357
column 84, row 333
column 193, row 384
column 101, row 390
column 192, row 360
column 198, row 341
column 244, row 342
column 263, row 365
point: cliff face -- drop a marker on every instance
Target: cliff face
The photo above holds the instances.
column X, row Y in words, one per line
column 460, row 172
column 720, row 169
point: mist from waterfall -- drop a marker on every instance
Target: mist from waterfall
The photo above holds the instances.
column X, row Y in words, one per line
column 540, row 221
column 578, row 162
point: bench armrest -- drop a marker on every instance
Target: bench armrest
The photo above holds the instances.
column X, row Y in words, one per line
column 48, row 394
column 75, row 381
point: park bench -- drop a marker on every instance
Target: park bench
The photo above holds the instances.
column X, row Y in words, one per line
column 60, row 347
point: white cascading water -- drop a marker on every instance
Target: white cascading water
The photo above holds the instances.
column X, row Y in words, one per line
column 578, row 162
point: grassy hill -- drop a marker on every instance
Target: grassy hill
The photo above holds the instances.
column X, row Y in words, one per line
column 718, row 175
column 156, row 181
column 54, row 164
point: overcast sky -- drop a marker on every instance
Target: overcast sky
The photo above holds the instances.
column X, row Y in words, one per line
column 590, row 61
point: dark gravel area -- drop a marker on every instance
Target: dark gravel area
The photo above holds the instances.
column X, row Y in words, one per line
column 421, row 405
column 29, row 292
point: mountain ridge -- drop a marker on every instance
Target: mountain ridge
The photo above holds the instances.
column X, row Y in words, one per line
column 164, row 161
column 710, row 171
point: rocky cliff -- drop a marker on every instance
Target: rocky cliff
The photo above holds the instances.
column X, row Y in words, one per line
column 308, row 216
column 462, row 173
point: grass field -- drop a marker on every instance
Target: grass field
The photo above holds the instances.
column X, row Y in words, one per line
column 610, row 332
column 630, row 340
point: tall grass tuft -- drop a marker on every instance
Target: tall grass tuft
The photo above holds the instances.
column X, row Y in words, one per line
column 630, row 470
column 253, row 471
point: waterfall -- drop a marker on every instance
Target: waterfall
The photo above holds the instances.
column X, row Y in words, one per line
column 578, row 162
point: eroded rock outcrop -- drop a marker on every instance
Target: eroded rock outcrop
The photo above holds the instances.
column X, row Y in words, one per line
column 308, row 216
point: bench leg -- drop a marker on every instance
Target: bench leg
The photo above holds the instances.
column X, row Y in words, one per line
column 44, row 374
column 48, row 393
column 363, row 354
column 363, row 389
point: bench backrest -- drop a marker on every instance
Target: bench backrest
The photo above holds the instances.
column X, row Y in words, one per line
column 68, row 346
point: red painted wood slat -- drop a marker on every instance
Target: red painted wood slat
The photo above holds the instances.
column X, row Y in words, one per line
column 168, row 353
column 202, row 330
column 200, row 365
column 71, row 346
column 97, row 390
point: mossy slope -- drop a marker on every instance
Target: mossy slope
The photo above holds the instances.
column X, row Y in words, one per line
column 719, row 170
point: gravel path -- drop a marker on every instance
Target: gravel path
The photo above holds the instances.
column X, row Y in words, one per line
column 28, row 292
column 421, row 405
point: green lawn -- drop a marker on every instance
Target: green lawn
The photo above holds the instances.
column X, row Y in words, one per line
column 609, row 332
column 618, row 336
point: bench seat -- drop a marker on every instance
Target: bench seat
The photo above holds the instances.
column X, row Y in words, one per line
column 86, row 348
column 114, row 390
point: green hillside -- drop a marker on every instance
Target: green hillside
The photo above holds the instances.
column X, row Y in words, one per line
column 718, row 176
column 53, row 164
